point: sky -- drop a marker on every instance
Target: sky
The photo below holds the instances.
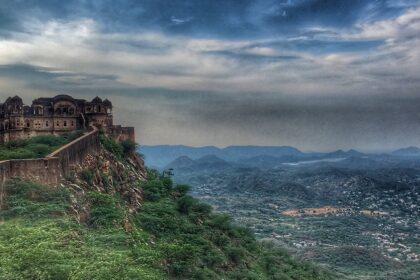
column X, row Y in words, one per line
column 318, row 75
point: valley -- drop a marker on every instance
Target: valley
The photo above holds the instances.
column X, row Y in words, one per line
column 357, row 216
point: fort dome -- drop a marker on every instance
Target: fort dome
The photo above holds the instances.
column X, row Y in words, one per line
column 63, row 97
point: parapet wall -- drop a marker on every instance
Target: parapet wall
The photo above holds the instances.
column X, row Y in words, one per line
column 74, row 152
column 43, row 170
column 51, row 169
column 121, row 133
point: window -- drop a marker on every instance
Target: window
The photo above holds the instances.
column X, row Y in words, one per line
column 72, row 123
column 65, row 123
column 58, row 123
column 46, row 124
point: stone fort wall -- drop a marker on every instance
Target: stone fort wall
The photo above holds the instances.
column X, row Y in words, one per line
column 51, row 169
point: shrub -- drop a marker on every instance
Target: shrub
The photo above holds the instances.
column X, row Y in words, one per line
column 128, row 146
column 105, row 210
column 39, row 150
column 235, row 254
column 87, row 176
column 185, row 204
column 220, row 221
column 105, row 181
column 182, row 189
column 112, row 146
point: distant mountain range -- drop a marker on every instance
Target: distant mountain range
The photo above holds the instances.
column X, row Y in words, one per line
column 409, row 151
column 162, row 155
column 165, row 156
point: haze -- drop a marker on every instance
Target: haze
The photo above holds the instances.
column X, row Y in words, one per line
column 316, row 75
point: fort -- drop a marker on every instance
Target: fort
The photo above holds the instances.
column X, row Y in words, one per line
column 56, row 115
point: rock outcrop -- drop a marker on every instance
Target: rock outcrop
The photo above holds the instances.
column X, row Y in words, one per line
column 104, row 172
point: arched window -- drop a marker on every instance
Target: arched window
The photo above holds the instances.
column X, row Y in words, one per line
column 39, row 110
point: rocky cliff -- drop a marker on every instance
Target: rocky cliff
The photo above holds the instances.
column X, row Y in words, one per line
column 104, row 172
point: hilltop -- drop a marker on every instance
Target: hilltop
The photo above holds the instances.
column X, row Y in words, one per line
column 111, row 218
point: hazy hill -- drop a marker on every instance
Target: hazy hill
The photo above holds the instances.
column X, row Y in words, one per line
column 257, row 156
column 162, row 155
column 409, row 151
column 203, row 164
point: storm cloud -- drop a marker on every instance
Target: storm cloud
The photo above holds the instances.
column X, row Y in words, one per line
column 318, row 75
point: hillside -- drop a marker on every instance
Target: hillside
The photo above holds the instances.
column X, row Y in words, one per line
column 112, row 219
column 357, row 216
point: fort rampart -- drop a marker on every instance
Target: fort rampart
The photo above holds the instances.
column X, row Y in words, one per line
column 51, row 169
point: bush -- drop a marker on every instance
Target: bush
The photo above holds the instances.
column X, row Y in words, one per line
column 182, row 190
column 188, row 205
column 87, row 176
column 235, row 254
column 105, row 210
column 185, row 204
column 112, row 146
column 105, row 181
column 128, row 146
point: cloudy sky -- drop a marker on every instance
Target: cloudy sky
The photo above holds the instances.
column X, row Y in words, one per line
column 314, row 74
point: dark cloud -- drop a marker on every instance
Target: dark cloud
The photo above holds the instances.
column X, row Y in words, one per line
column 54, row 79
column 243, row 55
column 327, row 46
column 203, row 18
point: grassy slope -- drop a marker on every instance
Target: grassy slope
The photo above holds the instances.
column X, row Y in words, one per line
column 35, row 147
column 173, row 236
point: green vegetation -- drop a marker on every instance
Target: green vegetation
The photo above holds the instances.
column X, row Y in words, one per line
column 174, row 236
column 87, row 175
column 35, row 147
column 119, row 149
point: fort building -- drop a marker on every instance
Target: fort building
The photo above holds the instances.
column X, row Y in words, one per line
column 57, row 115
